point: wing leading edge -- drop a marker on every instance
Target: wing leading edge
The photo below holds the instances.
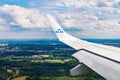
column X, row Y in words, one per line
column 103, row 59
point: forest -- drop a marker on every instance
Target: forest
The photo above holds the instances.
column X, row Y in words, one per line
column 39, row 60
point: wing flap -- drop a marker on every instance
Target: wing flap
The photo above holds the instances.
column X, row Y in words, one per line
column 105, row 67
column 80, row 69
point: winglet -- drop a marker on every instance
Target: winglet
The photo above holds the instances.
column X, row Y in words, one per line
column 57, row 28
column 63, row 36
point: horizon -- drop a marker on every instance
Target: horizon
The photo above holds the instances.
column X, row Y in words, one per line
column 58, row 39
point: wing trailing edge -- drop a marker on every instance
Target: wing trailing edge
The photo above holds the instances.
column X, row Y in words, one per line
column 105, row 60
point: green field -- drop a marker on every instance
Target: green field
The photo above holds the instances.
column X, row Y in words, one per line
column 39, row 61
column 45, row 67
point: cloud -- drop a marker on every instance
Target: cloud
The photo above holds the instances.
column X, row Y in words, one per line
column 22, row 17
column 81, row 18
column 93, row 18
column 89, row 3
column 20, row 22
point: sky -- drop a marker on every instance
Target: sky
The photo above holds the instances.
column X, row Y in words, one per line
column 26, row 19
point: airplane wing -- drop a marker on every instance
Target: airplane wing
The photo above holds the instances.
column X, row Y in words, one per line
column 103, row 59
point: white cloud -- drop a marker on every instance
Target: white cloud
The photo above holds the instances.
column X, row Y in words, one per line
column 22, row 17
column 91, row 18
column 89, row 3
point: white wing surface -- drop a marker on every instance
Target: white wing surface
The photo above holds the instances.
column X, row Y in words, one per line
column 103, row 59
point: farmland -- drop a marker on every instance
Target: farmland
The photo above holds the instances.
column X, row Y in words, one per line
column 39, row 60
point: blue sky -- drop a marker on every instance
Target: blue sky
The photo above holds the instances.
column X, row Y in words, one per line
column 23, row 3
column 80, row 18
column 26, row 3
